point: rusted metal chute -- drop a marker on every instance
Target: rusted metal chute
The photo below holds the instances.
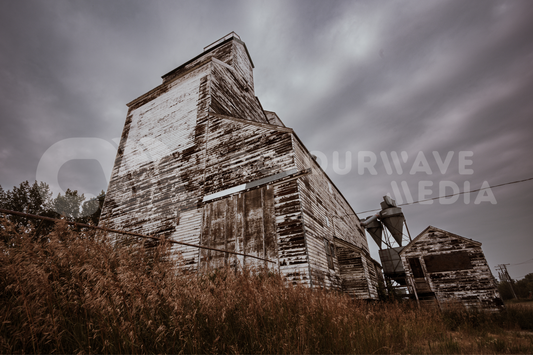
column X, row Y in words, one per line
column 374, row 227
column 392, row 217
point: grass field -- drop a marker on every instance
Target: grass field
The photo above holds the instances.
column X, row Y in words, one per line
column 74, row 293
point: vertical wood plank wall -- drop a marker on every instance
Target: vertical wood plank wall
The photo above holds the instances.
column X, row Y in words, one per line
column 240, row 223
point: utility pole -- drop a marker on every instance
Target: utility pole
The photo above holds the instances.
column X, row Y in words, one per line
column 504, row 276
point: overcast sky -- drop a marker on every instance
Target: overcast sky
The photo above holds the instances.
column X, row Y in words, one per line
column 385, row 84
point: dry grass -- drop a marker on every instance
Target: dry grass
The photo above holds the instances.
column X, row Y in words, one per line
column 75, row 293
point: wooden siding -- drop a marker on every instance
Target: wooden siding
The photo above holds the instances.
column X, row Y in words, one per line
column 265, row 222
column 203, row 131
column 222, row 52
column 242, row 223
column 240, row 152
column 327, row 214
column 231, row 94
column 357, row 271
column 159, row 174
column 241, row 63
column 292, row 249
column 472, row 285
column 274, row 119
column 191, row 154
column 157, row 179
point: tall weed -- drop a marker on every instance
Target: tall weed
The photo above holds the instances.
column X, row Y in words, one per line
column 74, row 292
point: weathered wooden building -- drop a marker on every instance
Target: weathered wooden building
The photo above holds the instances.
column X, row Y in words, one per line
column 447, row 269
column 201, row 162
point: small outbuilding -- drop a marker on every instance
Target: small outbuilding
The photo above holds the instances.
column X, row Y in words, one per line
column 447, row 270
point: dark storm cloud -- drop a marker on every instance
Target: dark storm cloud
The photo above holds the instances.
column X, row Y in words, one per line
column 409, row 103
column 430, row 65
column 446, row 76
column 347, row 76
column 61, row 76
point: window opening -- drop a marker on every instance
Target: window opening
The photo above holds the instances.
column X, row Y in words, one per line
column 416, row 268
column 330, row 253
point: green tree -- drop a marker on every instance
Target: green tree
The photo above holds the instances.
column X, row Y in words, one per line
column 27, row 198
column 91, row 209
column 37, row 199
column 2, row 195
column 524, row 287
column 69, row 205
column 504, row 288
column 33, row 199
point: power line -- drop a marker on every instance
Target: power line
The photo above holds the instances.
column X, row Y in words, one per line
column 459, row 193
column 523, row 262
column 153, row 237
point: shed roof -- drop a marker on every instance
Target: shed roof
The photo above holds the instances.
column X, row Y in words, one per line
column 430, row 229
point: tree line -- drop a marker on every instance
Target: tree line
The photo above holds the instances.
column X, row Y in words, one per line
column 523, row 288
column 37, row 198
